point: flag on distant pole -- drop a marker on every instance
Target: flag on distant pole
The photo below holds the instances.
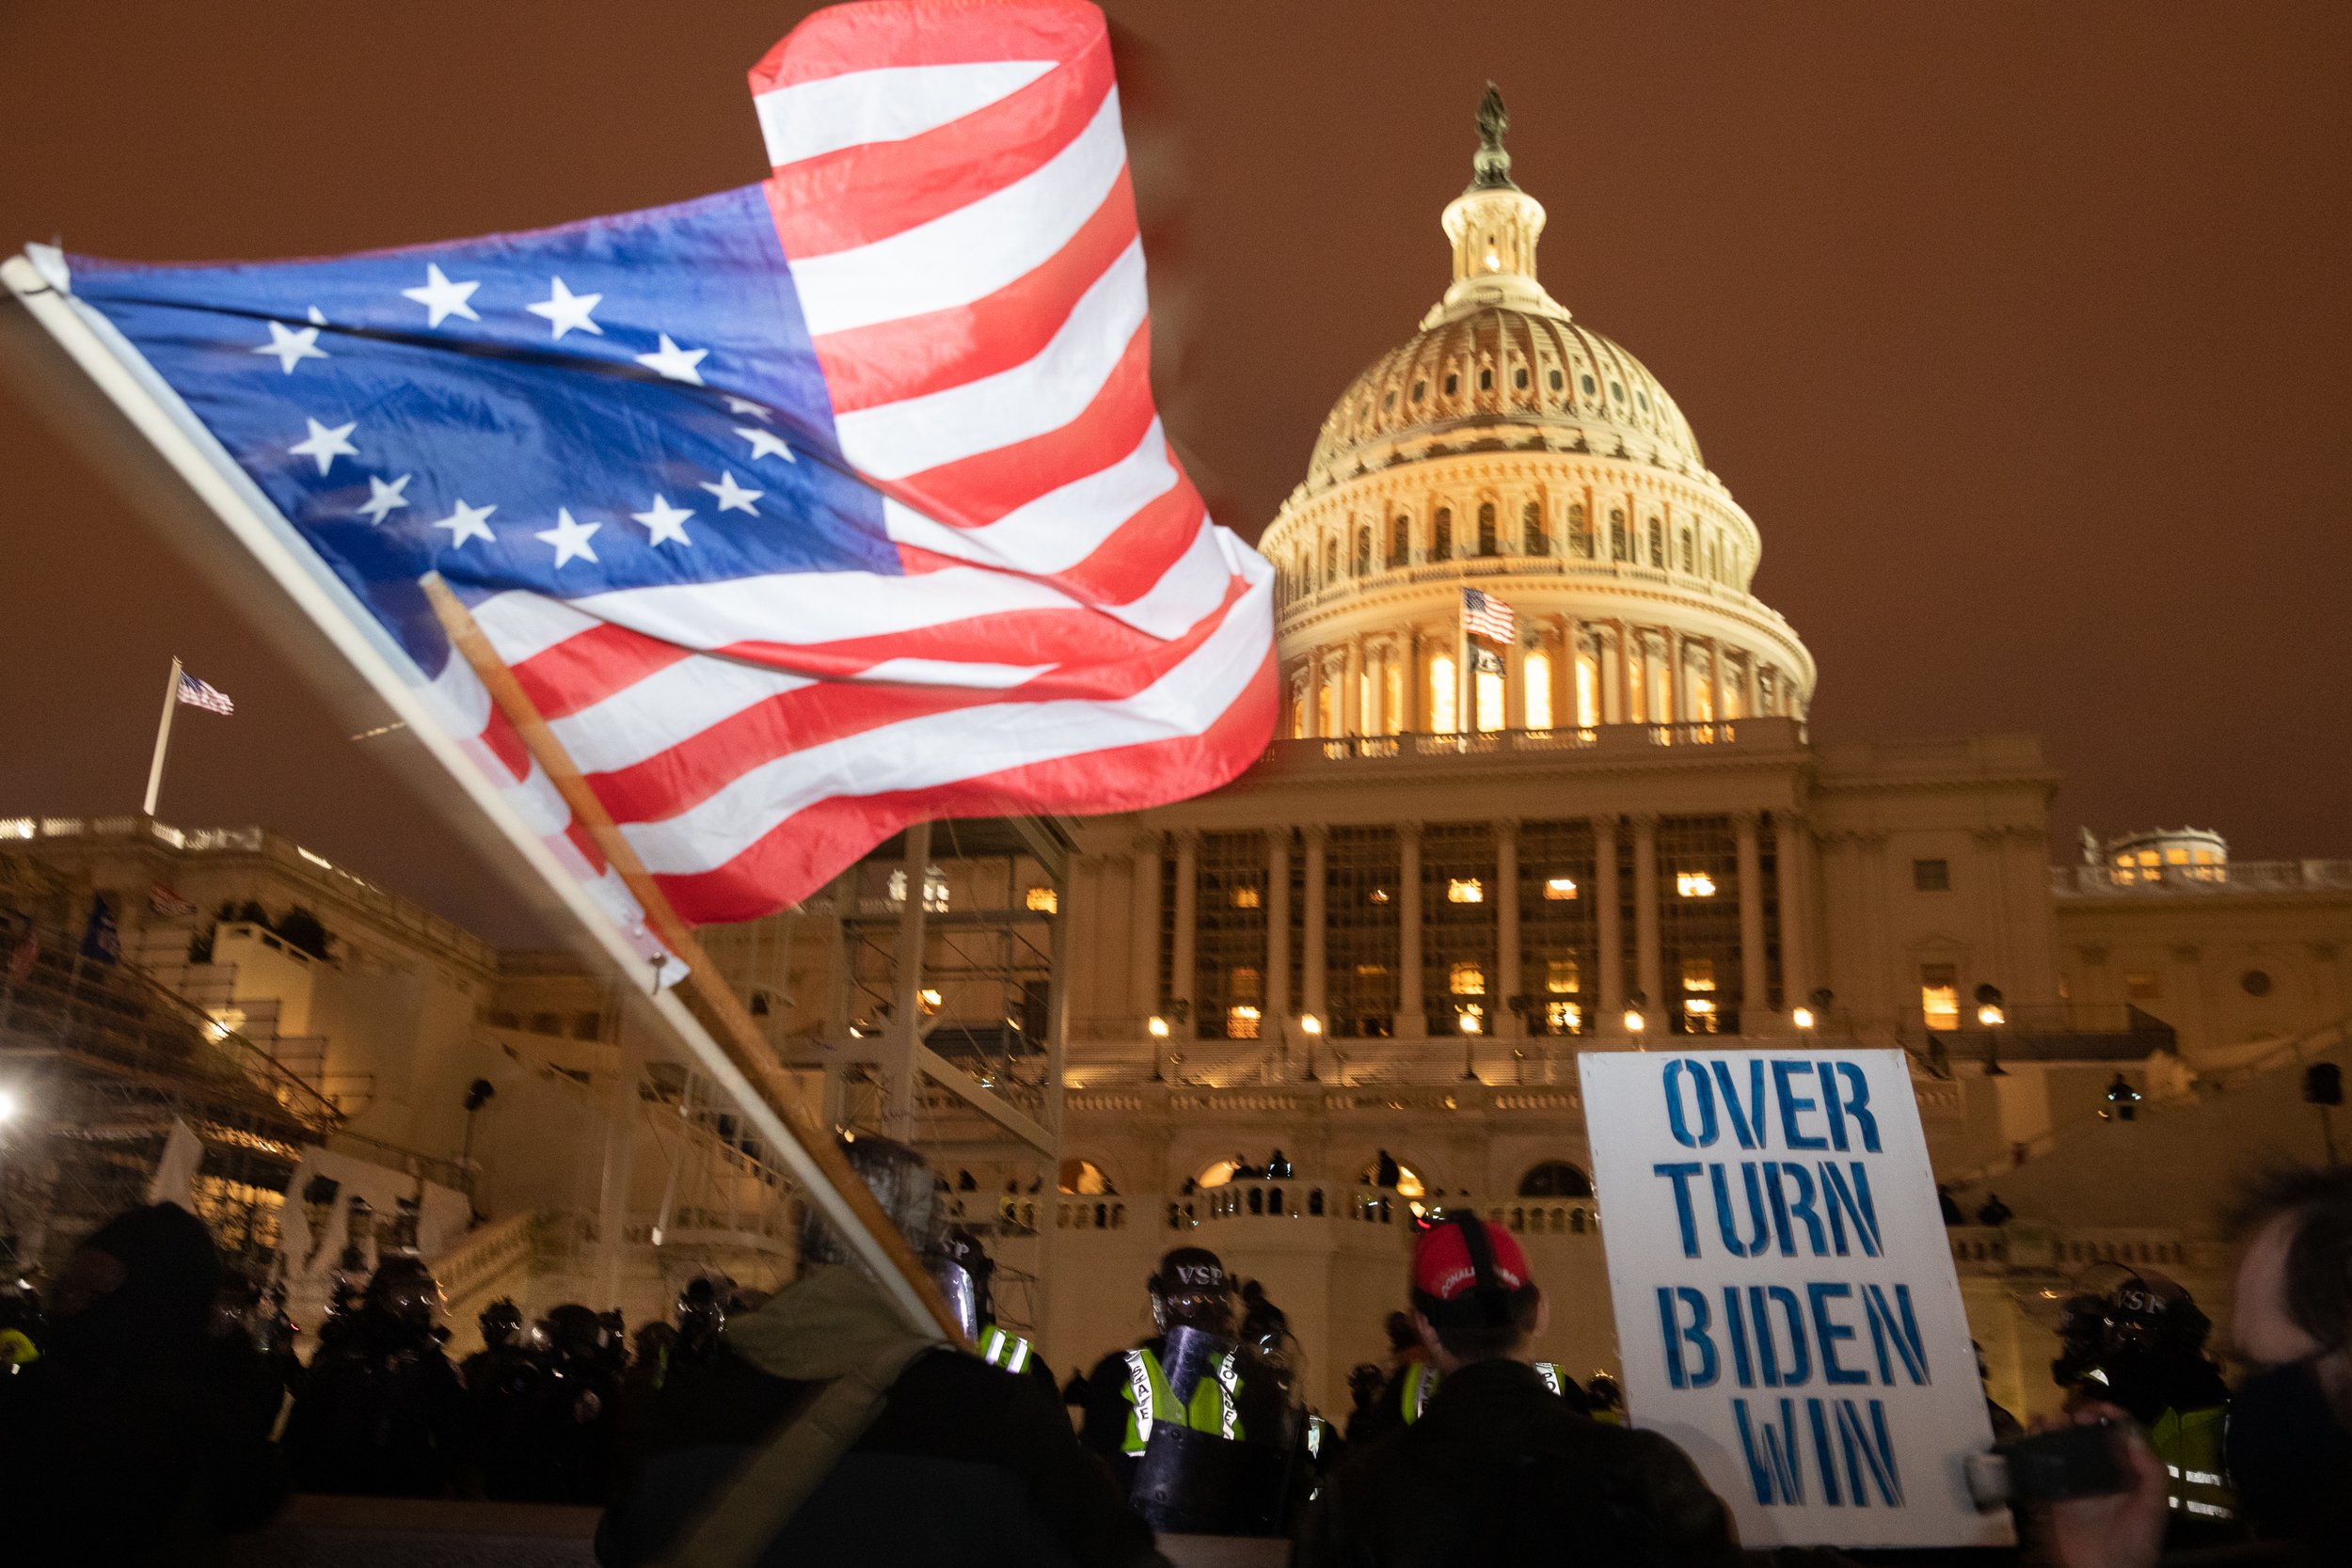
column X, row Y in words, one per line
column 203, row 694
column 1484, row 615
column 181, row 688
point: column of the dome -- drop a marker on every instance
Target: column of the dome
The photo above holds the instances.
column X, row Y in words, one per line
column 1351, row 694
column 1515, row 682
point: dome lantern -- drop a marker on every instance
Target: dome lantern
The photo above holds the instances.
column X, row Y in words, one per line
column 1493, row 227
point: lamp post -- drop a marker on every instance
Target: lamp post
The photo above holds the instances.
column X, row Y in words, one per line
column 1159, row 1027
column 1991, row 1017
column 1311, row 1026
column 1817, row 1013
column 478, row 1094
column 1637, row 1015
column 1468, row 1022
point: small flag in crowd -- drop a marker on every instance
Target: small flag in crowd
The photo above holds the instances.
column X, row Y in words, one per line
column 1484, row 615
column 204, row 694
column 102, row 939
column 168, row 904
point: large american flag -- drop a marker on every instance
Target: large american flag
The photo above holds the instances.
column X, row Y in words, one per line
column 802, row 511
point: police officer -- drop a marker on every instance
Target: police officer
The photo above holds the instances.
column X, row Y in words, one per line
column 381, row 1411
column 1128, row 1390
column 572, row 1409
column 1605, row 1400
column 2140, row 1344
column 501, row 1382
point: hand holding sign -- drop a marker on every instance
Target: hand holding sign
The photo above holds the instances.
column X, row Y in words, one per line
column 1785, row 1297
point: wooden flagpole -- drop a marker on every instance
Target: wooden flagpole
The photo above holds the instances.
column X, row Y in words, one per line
column 731, row 1025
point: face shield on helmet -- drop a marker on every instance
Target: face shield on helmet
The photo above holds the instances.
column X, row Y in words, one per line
column 1191, row 1290
column 405, row 1290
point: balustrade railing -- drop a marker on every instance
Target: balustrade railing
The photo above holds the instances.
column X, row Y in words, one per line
column 1763, row 731
column 2202, row 881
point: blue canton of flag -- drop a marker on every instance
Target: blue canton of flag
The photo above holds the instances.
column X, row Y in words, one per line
column 204, row 694
column 573, row 443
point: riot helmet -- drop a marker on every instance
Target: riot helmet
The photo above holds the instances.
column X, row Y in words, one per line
column 702, row 1313
column 405, row 1290
column 501, row 1323
column 1190, row 1289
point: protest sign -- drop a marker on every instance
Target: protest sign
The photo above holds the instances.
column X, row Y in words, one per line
column 1785, row 1305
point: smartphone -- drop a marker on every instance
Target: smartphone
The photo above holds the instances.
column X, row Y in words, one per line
column 2052, row 1468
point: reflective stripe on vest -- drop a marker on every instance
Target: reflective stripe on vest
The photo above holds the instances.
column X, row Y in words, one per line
column 1228, row 1384
column 2190, row 1446
column 1422, row 1380
column 1316, row 1429
column 999, row 1349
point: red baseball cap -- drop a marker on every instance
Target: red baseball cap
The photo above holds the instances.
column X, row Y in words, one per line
column 1445, row 1269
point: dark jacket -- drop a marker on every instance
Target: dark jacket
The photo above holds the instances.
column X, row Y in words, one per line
column 965, row 1465
column 1500, row 1471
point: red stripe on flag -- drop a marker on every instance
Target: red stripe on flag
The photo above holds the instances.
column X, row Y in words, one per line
column 842, row 38
column 982, row 489
column 806, row 850
column 890, row 361
column 854, row 196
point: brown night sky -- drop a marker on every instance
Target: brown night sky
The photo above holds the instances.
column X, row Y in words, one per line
column 2021, row 329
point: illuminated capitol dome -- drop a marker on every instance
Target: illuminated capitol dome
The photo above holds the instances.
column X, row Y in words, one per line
column 1507, row 448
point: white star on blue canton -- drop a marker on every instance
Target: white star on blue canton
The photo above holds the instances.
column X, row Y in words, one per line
column 676, row 363
column 292, row 347
column 765, row 444
column 326, row 445
column 384, row 500
column 565, row 310
column 467, row 522
column 747, row 407
column 732, row 496
column 441, row 297
column 570, row 538
column 666, row 523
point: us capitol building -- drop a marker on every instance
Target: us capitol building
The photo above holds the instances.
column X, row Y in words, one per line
column 1351, row 985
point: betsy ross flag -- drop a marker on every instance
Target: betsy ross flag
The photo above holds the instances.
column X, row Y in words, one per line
column 801, row 512
column 204, row 694
column 1484, row 615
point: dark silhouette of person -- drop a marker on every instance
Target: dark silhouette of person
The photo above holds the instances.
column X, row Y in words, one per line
column 381, row 1411
column 111, row 1441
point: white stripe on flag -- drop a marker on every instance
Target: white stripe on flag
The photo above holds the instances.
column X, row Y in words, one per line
column 808, row 119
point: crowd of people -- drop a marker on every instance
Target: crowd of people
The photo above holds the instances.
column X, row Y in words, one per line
column 154, row 1400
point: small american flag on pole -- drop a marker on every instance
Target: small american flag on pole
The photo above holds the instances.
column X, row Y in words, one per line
column 1484, row 615
column 204, row 694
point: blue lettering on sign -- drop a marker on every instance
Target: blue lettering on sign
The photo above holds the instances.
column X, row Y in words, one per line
column 1792, row 1104
column 1760, row 1233
column 1855, row 1105
column 1798, row 1371
column 1897, row 1327
column 1771, row 1455
column 1680, row 1174
column 1679, row 1374
column 1747, row 1122
column 1827, row 1331
column 1702, row 1099
column 1779, row 1176
column 1853, row 1203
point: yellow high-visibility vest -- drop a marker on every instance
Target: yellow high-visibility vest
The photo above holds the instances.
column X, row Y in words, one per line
column 1150, row 1399
column 999, row 1348
column 2190, row 1445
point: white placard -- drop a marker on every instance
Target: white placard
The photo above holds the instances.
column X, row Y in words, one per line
column 1786, row 1310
